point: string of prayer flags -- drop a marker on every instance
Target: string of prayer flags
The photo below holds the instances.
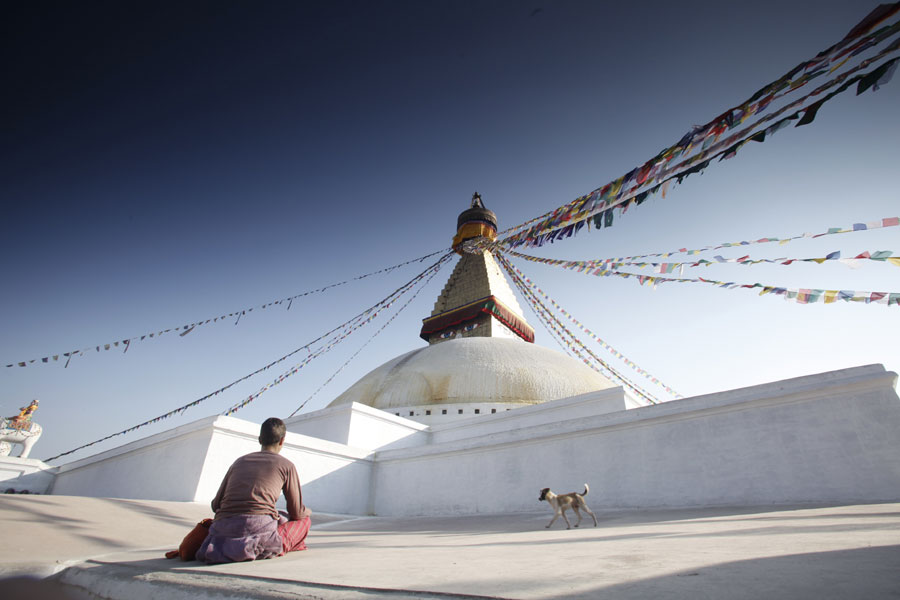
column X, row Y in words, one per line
column 186, row 329
column 800, row 295
column 669, row 267
column 332, row 338
column 597, row 206
column 361, row 348
column 600, row 213
column 568, row 339
column 233, row 409
column 568, row 342
column 755, row 105
column 637, row 259
column 590, row 333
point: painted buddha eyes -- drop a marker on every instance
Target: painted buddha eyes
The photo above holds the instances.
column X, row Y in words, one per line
column 450, row 334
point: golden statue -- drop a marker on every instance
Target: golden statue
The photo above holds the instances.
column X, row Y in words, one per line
column 23, row 419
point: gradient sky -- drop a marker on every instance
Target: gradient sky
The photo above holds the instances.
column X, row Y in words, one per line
column 164, row 163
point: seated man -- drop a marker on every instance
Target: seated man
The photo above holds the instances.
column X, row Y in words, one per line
column 247, row 526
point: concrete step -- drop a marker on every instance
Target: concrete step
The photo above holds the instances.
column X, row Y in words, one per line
column 117, row 581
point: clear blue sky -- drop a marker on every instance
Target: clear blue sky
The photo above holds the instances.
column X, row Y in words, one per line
column 163, row 163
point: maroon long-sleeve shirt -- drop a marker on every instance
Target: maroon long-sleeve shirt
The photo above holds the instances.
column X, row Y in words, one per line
column 253, row 484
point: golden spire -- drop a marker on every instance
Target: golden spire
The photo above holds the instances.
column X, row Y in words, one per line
column 474, row 222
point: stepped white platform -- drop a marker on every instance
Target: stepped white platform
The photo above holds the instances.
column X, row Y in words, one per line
column 831, row 437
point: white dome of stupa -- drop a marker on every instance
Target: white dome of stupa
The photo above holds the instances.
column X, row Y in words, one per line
column 474, row 370
column 481, row 357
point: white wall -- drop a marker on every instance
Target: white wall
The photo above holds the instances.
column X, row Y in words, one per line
column 229, row 439
column 165, row 466
column 25, row 475
column 831, row 437
column 825, row 438
column 333, row 477
column 332, row 424
column 576, row 407
column 188, row 463
column 372, row 429
column 359, row 426
column 434, row 415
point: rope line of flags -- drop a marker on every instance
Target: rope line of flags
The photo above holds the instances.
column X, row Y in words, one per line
column 518, row 274
column 333, row 337
column 184, row 330
column 361, row 348
column 882, row 256
column 567, row 339
column 867, row 226
column 428, row 277
column 425, row 276
column 658, row 174
column 799, row 295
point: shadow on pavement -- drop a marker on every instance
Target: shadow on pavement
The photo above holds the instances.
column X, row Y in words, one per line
column 858, row 573
column 31, row 588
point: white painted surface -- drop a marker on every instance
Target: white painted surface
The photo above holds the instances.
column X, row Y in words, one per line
column 165, row 466
column 824, row 438
column 25, row 475
column 333, row 477
column 188, row 463
column 24, row 438
column 359, row 426
column 229, row 439
column 831, row 437
column 473, row 370
column 585, row 405
column 332, row 424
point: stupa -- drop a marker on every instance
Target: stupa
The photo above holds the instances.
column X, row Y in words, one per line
column 481, row 357
column 433, row 432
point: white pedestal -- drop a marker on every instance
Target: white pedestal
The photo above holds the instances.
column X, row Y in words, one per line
column 25, row 475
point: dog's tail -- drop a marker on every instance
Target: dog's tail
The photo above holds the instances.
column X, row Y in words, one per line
column 586, row 490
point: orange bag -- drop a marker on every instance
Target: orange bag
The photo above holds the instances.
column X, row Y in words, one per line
column 191, row 542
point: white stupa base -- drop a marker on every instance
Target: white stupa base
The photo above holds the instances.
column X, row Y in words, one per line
column 827, row 438
column 28, row 475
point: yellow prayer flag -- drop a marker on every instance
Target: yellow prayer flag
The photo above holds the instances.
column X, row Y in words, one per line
column 830, row 296
column 616, row 186
column 839, row 65
column 894, row 260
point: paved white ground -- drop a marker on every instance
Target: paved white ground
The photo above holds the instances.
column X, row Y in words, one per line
column 113, row 549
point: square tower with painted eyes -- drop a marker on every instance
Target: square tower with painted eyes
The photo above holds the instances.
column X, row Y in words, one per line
column 477, row 300
column 481, row 357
